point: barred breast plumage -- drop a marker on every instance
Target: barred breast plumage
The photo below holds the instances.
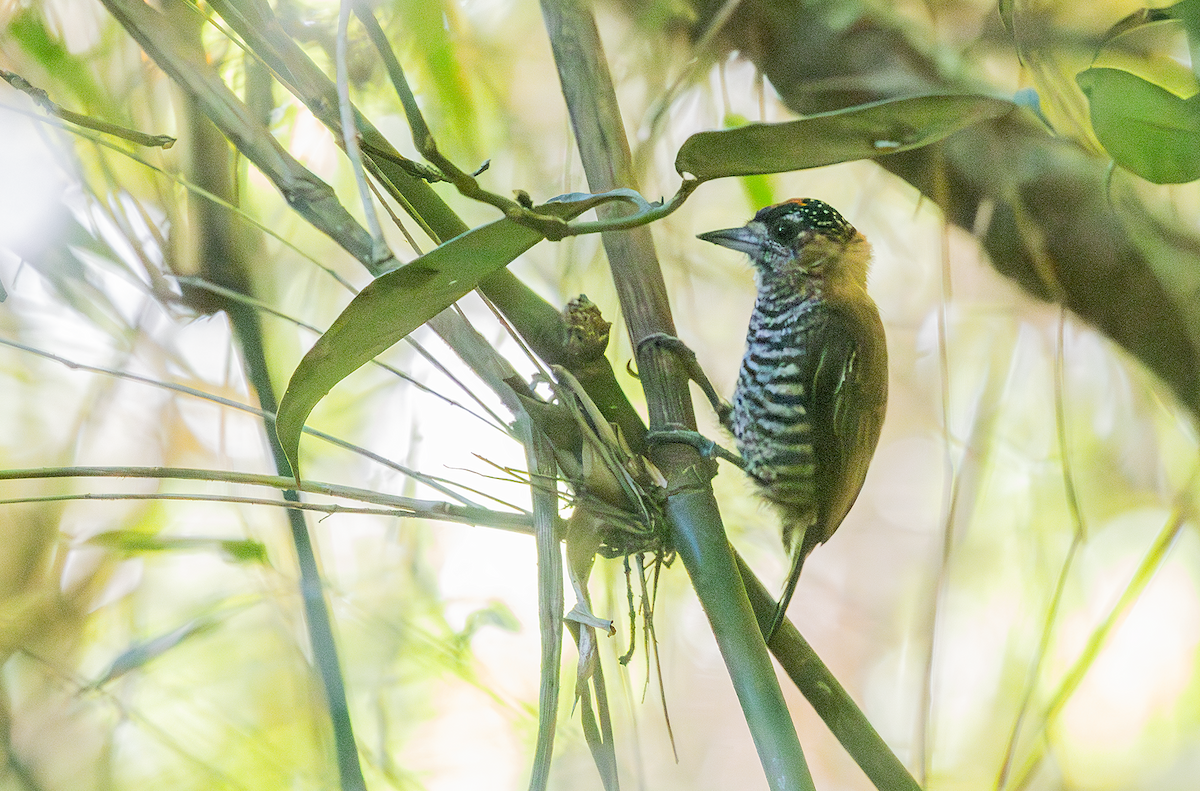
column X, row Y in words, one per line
column 812, row 390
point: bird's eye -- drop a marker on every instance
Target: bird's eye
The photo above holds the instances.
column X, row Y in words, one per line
column 784, row 230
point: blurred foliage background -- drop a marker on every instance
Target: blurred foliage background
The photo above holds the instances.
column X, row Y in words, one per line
column 1013, row 602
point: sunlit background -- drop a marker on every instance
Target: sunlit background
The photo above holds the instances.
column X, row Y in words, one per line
column 1016, row 585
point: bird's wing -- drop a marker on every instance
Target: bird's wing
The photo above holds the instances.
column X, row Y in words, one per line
column 849, row 395
column 846, row 387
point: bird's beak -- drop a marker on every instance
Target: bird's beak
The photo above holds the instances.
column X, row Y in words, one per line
column 748, row 239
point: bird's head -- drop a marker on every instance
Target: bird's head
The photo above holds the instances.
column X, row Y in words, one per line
column 803, row 245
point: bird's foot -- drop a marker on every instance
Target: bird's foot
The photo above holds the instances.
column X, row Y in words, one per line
column 707, row 447
column 671, row 343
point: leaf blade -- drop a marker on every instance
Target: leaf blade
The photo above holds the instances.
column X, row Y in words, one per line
column 861, row 132
column 392, row 306
column 1145, row 128
column 399, row 301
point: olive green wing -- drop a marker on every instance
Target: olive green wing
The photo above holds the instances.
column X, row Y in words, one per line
column 849, row 398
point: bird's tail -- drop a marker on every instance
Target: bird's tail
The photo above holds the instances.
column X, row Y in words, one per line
column 798, row 551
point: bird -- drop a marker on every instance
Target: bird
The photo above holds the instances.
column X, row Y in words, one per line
column 811, row 394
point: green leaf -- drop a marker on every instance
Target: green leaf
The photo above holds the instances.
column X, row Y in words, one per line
column 758, row 188
column 1144, row 127
column 431, row 34
column 862, row 132
column 398, row 302
column 495, row 614
column 1006, row 15
column 139, row 654
column 1188, row 12
column 135, row 542
column 69, row 71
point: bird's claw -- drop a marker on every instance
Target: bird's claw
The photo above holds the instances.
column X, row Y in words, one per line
column 694, row 371
column 724, row 412
column 705, row 446
column 667, row 341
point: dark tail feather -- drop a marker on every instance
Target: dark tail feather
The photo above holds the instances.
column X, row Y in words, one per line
column 799, row 550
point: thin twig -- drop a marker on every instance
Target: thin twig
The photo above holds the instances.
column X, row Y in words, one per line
column 950, row 493
column 190, row 187
column 428, row 480
column 1155, row 557
column 42, row 99
column 325, row 508
column 394, row 505
column 1077, row 539
column 495, row 422
column 381, row 251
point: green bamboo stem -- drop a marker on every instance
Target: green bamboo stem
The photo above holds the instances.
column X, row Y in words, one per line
column 826, row 694
column 696, row 525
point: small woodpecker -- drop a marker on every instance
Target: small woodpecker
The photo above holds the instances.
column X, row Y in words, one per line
column 812, row 391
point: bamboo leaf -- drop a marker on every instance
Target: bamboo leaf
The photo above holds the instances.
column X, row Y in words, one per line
column 861, row 132
column 140, row 654
column 398, row 302
column 135, row 542
column 29, row 30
